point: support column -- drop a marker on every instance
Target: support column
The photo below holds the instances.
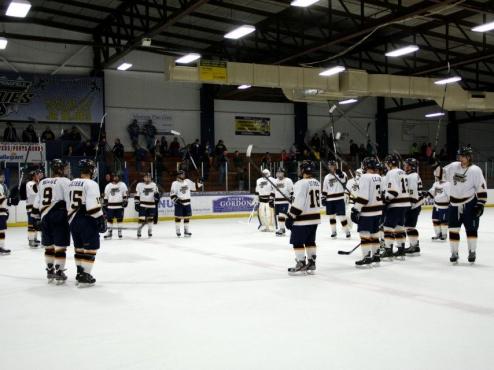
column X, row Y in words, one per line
column 452, row 135
column 207, row 93
column 382, row 134
column 300, row 110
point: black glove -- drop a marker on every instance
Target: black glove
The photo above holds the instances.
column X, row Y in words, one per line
column 105, row 210
column 323, row 201
column 289, row 222
column 355, row 215
column 137, row 207
column 102, row 225
column 125, row 203
column 339, row 173
column 13, row 201
column 178, row 201
column 157, row 198
column 271, row 203
column 155, row 217
column 478, row 210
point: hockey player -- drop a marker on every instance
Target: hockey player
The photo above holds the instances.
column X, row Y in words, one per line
column 367, row 212
column 115, row 200
column 31, row 192
column 303, row 218
column 468, row 195
column 4, row 214
column 333, row 197
column 415, row 191
column 86, row 220
column 265, row 198
column 396, row 197
column 351, row 194
column 50, row 210
column 440, row 193
column 180, row 195
column 146, row 198
column 285, row 186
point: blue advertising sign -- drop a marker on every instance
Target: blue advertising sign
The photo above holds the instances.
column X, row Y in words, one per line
column 240, row 203
column 71, row 99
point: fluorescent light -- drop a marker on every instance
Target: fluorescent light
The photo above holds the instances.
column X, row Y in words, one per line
column 243, row 87
column 303, row 3
column 18, row 8
column 402, row 51
column 332, row 71
column 189, row 58
column 448, row 80
column 437, row 114
column 240, row 32
column 348, row 101
column 3, row 43
column 124, row 66
column 484, row 27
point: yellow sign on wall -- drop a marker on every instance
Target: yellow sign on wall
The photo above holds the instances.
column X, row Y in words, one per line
column 212, row 71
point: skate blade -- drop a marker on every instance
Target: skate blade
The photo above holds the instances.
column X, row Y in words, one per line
column 51, row 281
column 297, row 273
column 85, row 285
column 59, row 282
column 415, row 254
column 363, row 267
column 311, row 272
column 4, row 254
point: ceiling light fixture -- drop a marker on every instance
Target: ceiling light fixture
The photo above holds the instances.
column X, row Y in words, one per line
column 303, row 3
column 244, row 87
column 188, row 58
column 124, row 66
column 484, row 27
column 3, row 43
column 437, row 114
column 18, row 8
column 332, row 71
column 402, row 51
column 240, row 32
column 348, row 101
column 448, row 80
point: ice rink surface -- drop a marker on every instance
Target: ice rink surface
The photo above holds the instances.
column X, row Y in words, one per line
column 223, row 300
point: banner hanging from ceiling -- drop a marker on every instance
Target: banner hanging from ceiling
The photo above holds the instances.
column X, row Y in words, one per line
column 45, row 98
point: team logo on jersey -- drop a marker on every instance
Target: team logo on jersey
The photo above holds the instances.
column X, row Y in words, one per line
column 183, row 189
column 459, row 177
column 148, row 191
column 280, row 185
column 332, row 182
column 263, row 184
column 114, row 191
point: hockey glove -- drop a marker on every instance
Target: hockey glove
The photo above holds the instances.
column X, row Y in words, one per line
column 155, row 217
column 137, row 207
column 271, row 203
column 355, row 215
column 323, row 201
column 125, row 203
column 339, row 173
column 102, row 225
column 13, row 201
column 289, row 222
column 157, row 198
column 478, row 210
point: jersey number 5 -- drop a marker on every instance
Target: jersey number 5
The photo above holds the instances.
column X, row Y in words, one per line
column 75, row 199
column 314, row 199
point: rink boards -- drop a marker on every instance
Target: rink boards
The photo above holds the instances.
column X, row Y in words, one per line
column 204, row 205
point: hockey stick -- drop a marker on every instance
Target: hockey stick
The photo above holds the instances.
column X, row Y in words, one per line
column 99, row 135
column 123, row 228
column 350, row 251
column 252, row 212
column 178, row 134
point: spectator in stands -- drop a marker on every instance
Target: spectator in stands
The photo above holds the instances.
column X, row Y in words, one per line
column 305, row 155
column 102, row 149
column 423, row 150
column 150, row 135
column 140, row 156
column 429, row 151
column 163, row 147
column 362, row 152
column 69, row 152
column 239, row 168
column 196, row 152
column 284, row 156
column 10, row 134
column 370, row 149
column 29, row 135
column 102, row 184
column 222, row 166
column 118, row 155
column 175, row 148
column 47, row 135
column 294, row 151
column 220, row 148
column 414, row 150
column 354, row 150
column 75, row 134
column 266, row 161
column 88, row 149
column 315, row 154
column 134, row 130
column 315, row 142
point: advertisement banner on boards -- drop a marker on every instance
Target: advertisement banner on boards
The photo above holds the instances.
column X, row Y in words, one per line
column 210, row 204
column 257, row 126
column 72, row 99
column 17, row 152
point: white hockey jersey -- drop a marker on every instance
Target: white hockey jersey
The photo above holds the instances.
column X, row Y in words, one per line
column 286, row 187
column 52, row 190
column 440, row 193
column 264, row 189
column 31, row 192
column 415, row 189
column 395, row 188
column 352, row 186
column 369, row 201
column 3, row 200
column 333, row 186
column 465, row 183
column 84, row 196
column 306, row 205
column 181, row 190
column 145, row 194
column 115, row 194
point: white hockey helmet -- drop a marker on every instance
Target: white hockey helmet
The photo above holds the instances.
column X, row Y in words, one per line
column 266, row 173
column 358, row 172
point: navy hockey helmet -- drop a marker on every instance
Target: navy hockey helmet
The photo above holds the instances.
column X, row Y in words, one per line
column 58, row 166
column 413, row 163
column 281, row 172
column 369, row 163
column 465, row 151
column 332, row 162
column 87, row 166
column 181, row 173
column 392, row 160
column 307, row 167
column 115, row 176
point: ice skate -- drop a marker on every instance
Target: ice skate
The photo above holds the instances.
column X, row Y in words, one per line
column 139, row 234
column 376, row 258
column 437, row 237
column 4, row 251
column 333, row 235
column 400, row 253
column 150, row 233
column 60, row 277
column 86, row 280
column 348, row 235
column 32, row 244
column 364, row 262
column 50, row 274
column 311, row 265
column 388, row 253
column 108, row 235
column 120, row 233
column 454, row 258
column 472, row 256
column 187, row 234
column 37, row 242
column 179, row 234
column 413, row 250
column 299, row 268
column 280, row 232
column 78, row 275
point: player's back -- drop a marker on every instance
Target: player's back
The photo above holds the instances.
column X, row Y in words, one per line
column 84, row 198
column 370, row 194
column 53, row 192
column 396, row 184
column 307, row 202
